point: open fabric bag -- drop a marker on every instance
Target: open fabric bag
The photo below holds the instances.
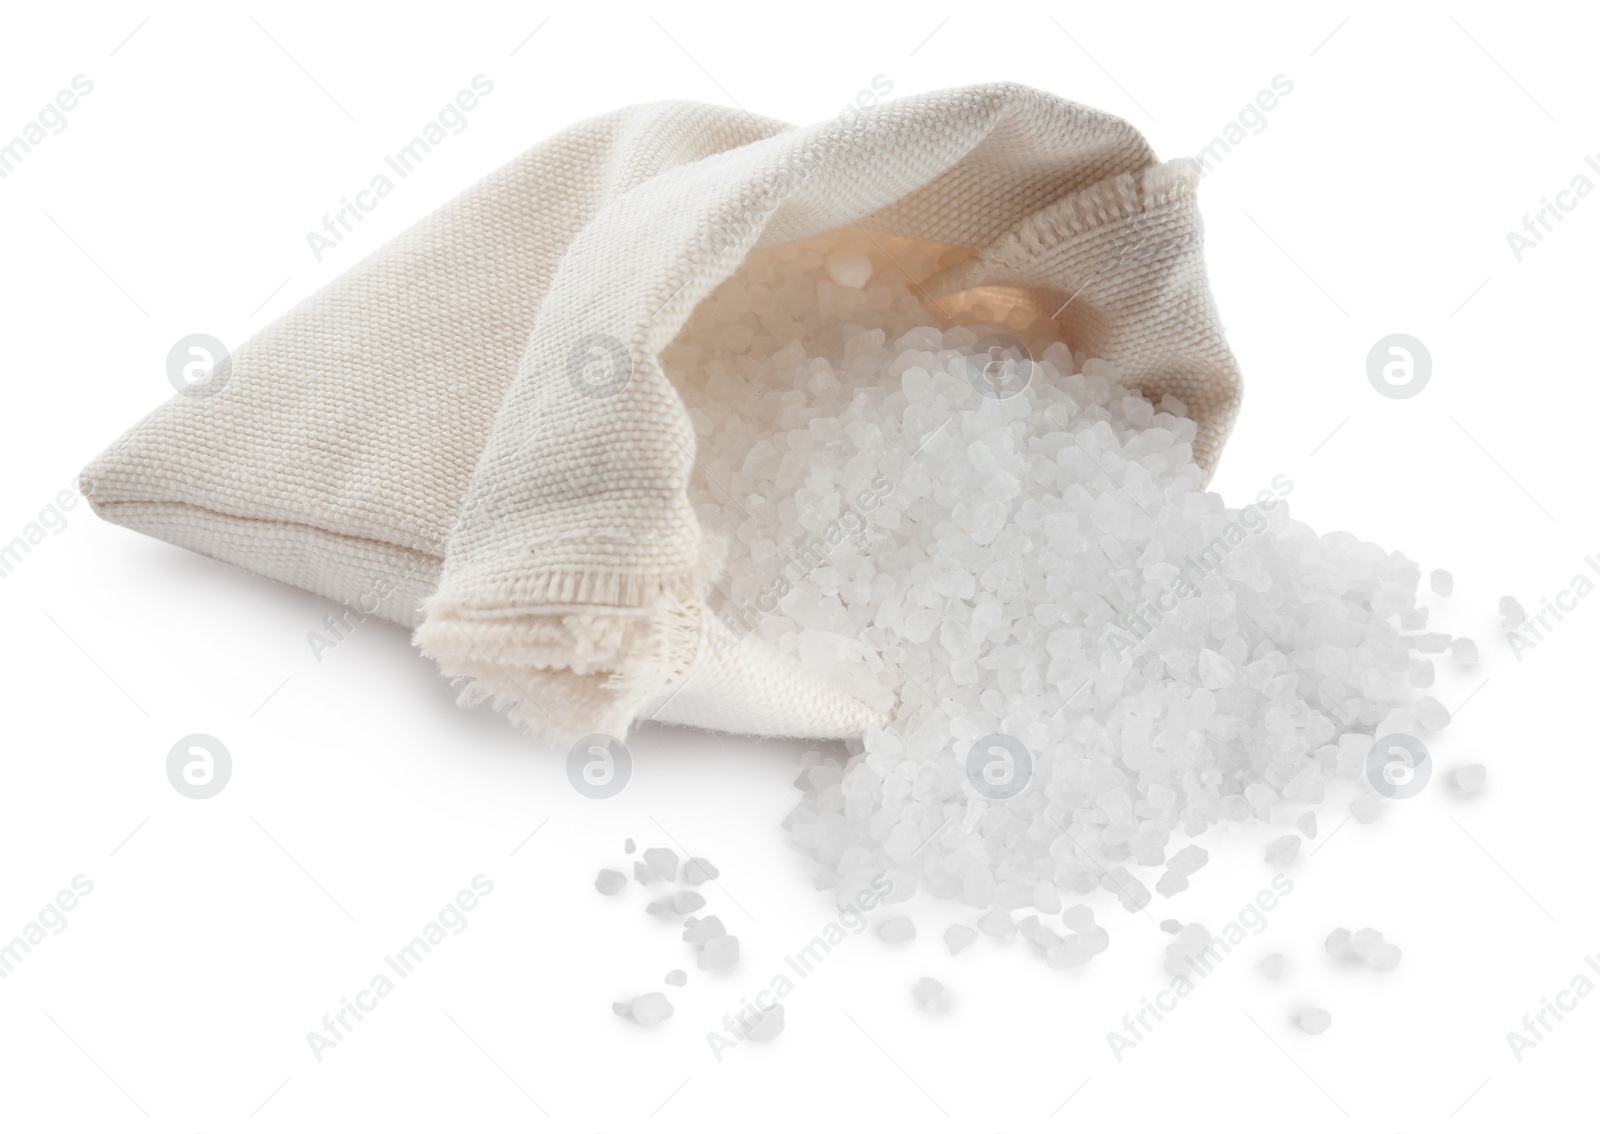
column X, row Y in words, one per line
column 471, row 433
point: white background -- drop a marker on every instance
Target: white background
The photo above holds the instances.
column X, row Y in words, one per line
column 178, row 997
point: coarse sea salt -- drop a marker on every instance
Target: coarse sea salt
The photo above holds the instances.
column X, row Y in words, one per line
column 1045, row 566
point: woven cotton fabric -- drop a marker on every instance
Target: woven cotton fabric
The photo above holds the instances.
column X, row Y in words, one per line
column 470, row 433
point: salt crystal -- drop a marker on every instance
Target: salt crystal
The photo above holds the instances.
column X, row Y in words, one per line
column 1363, row 940
column 698, row 871
column 686, row 901
column 849, row 270
column 1315, row 1021
column 1307, row 823
column 1271, row 966
column 1188, row 860
column 1441, row 582
column 719, row 953
column 663, row 863
column 628, row 846
column 1282, row 851
column 697, row 930
column 997, row 923
column 766, row 1024
column 649, row 1009
column 1431, row 714
column 678, row 978
column 1338, row 942
column 610, row 881
column 958, row 937
column 1216, row 671
column 1365, row 808
column 1471, row 777
column 897, row 930
column 1079, row 919
column 1465, row 651
column 1384, row 957
column 1132, row 893
column 1512, row 615
column 930, row 995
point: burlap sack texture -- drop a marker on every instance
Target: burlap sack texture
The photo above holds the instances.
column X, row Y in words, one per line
column 424, row 440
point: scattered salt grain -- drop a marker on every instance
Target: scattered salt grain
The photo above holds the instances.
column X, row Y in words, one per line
column 1282, row 851
column 1365, row 808
column 1511, row 613
column 628, row 847
column 1366, row 945
column 686, row 901
column 1172, row 882
column 698, row 871
column 662, row 863
column 678, row 978
column 930, row 995
column 719, row 953
column 1193, row 941
column 1471, row 777
column 1315, row 1021
column 897, row 930
column 697, row 930
column 649, row 1009
column 1271, row 966
column 610, row 881
column 1442, row 582
column 1307, row 824
column 1431, row 715
column 1422, row 673
column 766, row 1024
column 1465, row 651
column 958, row 937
